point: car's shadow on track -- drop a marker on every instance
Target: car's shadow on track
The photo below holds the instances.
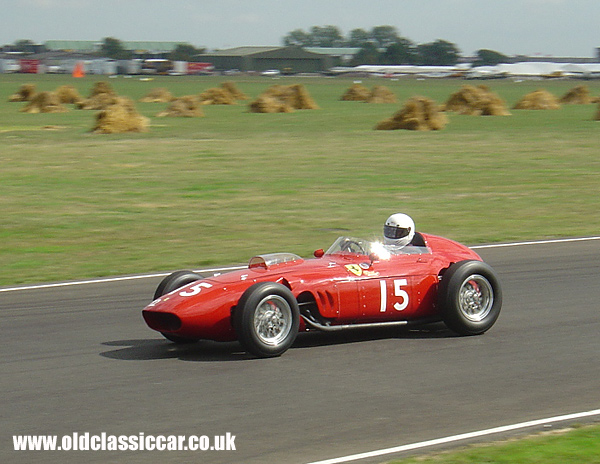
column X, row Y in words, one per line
column 148, row 349
column 312, row 339
column 208, row 351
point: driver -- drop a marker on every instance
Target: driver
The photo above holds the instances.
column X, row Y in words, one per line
column 398, row 230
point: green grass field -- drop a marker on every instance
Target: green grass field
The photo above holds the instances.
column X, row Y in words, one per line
column 579, row 445
column 219, row 189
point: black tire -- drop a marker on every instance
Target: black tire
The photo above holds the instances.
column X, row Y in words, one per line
column 266, row 319
column 470, row 297
column 172, row 282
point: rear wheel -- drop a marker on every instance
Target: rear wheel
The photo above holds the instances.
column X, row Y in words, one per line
column 172, row 282
column 267, row 319
column 470, row 297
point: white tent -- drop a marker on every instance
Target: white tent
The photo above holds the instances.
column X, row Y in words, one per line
column 530, row 68
column 536, row 69
column 582, row 69
column 408, row 69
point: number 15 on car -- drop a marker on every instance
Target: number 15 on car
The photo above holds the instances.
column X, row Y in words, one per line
column 401, row 297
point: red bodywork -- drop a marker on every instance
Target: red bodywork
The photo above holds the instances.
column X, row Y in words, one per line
column 336, row 289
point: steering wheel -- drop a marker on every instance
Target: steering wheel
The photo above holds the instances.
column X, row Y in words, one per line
column 353, row 246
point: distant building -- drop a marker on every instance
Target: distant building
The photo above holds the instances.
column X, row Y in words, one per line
column 286, row 59
column 341, row 56
column 153, row 49
column 9, row 62
column 73, row 46
column 553, row 59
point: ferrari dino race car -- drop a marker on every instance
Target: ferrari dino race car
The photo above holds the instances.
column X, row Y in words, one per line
column 354, row 284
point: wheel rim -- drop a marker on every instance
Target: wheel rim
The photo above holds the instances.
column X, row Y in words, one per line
column 272, row 320
column 475, row 298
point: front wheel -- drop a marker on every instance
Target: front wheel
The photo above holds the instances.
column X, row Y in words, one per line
column 470, row 297
column 266, row 319
column 172, row 282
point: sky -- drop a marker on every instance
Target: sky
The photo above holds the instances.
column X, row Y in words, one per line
column 512, row 27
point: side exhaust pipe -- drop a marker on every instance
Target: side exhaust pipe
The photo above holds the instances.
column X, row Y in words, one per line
column 336, row 328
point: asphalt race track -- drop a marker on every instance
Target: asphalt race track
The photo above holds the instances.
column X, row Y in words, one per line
column 80, row 359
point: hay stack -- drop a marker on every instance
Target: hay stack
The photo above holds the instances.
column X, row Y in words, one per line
column 99, row 101
column 283, row 99
column 356, row 92
column 44, row 102
column 300, row 98
column 183, row 107
column 538, row 100
column 158, row 95
column 120, row 117
column 579, row 95
column 463, row 101
column 24, row 94
column 294, row 95
column 269, row 104
column 236, row 93
column 418, row 113
column 101, row 87
column 381, row 94
column 68, row 94
column 216, row 96
column 101, row 97
column 477, row 101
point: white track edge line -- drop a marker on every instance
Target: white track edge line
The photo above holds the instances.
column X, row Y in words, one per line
column 461, row 437
column 109, row 279
column 233, row 268
column 535, row 242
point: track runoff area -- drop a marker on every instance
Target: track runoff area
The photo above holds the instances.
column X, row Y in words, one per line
column 233, row 268
column 397, row 449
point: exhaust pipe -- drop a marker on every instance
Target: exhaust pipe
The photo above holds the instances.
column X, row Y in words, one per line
column 337, row 328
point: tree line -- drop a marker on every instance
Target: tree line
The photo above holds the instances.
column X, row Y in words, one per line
column 114, row 49
column 379, row 45
column 384, row 45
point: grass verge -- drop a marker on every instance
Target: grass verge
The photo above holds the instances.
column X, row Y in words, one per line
column 216, row 190
column 579, row 445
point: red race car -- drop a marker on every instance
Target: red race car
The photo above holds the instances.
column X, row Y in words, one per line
column 354, row 284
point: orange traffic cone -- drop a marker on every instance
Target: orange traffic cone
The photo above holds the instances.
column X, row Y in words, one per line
column 78, row 70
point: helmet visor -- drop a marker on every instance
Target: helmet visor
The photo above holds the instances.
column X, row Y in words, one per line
column 395, row 232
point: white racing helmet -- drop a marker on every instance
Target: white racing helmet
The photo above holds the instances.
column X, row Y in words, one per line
column 399, row 230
